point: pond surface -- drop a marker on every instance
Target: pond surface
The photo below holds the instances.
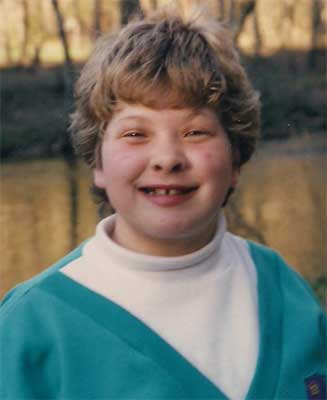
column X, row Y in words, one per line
column 280, row 201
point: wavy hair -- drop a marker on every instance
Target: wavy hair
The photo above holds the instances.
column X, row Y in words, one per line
column 189, row 59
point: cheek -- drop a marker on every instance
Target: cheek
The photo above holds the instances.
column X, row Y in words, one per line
column 123, row 163
column 215, row 164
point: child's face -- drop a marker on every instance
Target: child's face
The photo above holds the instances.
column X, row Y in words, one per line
column 166, row 173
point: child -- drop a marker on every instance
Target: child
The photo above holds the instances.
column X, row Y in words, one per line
column 163, row 303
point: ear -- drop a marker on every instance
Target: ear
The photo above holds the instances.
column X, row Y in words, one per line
column 99, row 178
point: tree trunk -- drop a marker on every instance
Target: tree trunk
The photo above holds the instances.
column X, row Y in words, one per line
column 97, row 18
column 82, row 25
column 288, row 22
column 232, row 17
column 257, row 34
column 8, row 51
column 68, row 67
column 128, row 8
column 66, row 145
column 23, row 56
column 222, row 8
column 246, row 8
column 317, row 26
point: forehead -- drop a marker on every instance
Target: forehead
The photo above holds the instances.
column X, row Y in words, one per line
column 139, row 112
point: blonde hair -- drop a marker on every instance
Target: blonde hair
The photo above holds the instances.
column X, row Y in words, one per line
column 190, row 58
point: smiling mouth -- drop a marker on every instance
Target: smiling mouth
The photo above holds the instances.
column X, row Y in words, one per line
column 153, row 191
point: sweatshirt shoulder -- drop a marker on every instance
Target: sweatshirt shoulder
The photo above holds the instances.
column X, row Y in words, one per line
column 15, row 295
column 296, row 290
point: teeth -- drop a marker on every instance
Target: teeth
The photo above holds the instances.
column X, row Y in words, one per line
column 174, row 191
column 161, row 192
column 165, row 192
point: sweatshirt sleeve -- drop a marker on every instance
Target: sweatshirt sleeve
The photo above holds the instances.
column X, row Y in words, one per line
column 27, row 356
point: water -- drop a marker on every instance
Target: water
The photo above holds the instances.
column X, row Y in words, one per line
column 280, row 201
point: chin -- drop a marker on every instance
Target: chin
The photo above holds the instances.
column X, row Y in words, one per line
column 170, row 233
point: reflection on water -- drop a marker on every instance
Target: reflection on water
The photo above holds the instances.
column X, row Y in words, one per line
column 282, row 196
column 35, row 216
column 280, row 201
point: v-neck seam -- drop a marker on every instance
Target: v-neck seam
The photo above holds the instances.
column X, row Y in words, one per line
column 120, row 339
column 140, row 325
column 265, row 314
column 282, row 318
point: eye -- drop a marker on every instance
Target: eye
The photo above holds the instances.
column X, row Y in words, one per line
column 197, row 133
column 133, row 134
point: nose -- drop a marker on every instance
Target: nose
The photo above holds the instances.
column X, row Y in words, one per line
column 168, row 157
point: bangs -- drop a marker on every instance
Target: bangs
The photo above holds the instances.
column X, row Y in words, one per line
column 179, row 69
column 166, row 91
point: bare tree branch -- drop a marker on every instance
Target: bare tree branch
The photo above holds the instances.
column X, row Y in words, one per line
column 246, row 8
column 69, row 75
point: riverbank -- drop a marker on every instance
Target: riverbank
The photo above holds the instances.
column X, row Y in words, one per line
column 36, row 106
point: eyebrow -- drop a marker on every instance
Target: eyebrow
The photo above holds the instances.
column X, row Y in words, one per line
column 191, row 115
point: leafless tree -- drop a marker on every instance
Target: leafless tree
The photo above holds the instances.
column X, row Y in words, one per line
column 257, row 33
column 245, row 9
column 288, row 21
column 232, row 11
column 128, row 8
column 222, row 8
column 82, row 25
column 235, row 13
column 8, row 51
column 26, row 31
column 68, row 71
column 318, row 30
column 66, row 146
column 97, row 18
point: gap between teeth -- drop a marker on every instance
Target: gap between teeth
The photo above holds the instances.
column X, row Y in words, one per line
column 166, row 192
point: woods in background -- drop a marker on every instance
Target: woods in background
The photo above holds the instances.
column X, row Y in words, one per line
column 31, row 34
column 45, row 42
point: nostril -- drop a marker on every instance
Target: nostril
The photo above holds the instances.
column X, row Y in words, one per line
column 171, row 168
column 157, row 167
column 168, row 161
column 177, row 167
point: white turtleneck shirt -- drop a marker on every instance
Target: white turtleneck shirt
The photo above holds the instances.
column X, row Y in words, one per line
column 204, row 304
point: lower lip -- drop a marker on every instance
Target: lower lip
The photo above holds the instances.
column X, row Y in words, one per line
column 169, row 200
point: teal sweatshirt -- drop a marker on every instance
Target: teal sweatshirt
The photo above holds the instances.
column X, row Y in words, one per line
column 60, row 340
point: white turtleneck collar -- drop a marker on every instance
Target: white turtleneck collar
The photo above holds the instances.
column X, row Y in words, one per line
column 111, row 250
